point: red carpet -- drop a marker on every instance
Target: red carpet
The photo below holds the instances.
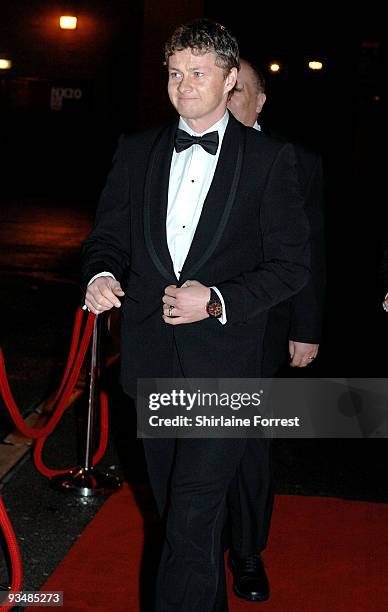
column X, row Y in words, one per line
column 324, row 555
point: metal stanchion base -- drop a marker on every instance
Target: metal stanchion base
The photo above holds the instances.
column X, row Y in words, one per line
column 86, row 482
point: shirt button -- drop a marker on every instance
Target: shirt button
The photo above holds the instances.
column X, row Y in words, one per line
column 192, row 180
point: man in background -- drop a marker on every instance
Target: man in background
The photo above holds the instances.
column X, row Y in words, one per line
column 293, row 327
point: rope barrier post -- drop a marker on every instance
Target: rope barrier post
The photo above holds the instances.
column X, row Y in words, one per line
column 87, row 480
column 93, row 391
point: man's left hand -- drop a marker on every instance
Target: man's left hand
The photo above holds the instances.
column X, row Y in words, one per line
column 186, row 304
column 302, row 353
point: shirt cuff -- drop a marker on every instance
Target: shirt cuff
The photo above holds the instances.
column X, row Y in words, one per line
column 222, row 319
column 84, row 307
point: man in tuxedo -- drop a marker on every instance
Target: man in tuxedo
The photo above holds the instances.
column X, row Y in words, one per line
column 200, row 229
column 294, row 327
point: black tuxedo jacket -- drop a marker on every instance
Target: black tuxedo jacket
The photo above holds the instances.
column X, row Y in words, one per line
column 251, row 243
column 300, row 317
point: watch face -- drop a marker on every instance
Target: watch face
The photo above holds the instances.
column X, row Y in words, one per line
column 214, row 309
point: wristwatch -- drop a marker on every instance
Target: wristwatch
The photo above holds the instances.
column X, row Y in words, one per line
column 214, row 305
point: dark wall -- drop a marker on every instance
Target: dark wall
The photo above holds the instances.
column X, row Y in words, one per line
column 160, row 19
column 69, row 93
column 115, row 57
column 59, row 147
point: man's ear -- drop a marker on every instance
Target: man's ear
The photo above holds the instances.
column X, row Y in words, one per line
column 261, row 98
column 231, row 79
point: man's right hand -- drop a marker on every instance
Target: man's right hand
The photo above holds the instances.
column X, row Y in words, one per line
column 102, row 294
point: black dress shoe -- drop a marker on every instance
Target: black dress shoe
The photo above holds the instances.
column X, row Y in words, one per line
column 250, row 581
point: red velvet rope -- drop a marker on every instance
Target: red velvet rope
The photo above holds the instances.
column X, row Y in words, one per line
column 99, row 453
column 72, row 351
column 59, row 404
column 65, row 389
column 69, row 379
column 14, row 554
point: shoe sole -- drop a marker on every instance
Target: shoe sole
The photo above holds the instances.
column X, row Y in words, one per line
column 249, row 598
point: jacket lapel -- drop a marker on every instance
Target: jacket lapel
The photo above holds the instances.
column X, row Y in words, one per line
column 156, row 199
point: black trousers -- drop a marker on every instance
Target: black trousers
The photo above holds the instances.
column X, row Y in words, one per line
column 190, row 478
column 251, row 492
column 250, row 500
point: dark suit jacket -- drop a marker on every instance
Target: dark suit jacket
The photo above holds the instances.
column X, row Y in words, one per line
column 300, row 317
column 251, row 242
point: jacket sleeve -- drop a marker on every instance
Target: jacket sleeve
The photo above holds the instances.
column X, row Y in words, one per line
column 285, row 267
column 107, row 248
column 307, row 306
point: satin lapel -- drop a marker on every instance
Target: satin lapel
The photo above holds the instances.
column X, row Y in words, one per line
column 155, row 202
column 219, row 200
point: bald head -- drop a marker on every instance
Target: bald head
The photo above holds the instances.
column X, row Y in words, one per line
column 248, row 96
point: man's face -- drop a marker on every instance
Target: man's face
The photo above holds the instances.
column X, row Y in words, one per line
column 246, row 103
column 198, row 88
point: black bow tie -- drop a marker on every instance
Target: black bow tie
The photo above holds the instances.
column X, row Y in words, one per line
column 209, row 141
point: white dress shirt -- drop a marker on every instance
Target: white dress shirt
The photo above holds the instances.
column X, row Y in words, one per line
column 191, row 174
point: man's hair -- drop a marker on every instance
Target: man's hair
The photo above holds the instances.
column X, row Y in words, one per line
column 259, row 77
column 203, row 36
